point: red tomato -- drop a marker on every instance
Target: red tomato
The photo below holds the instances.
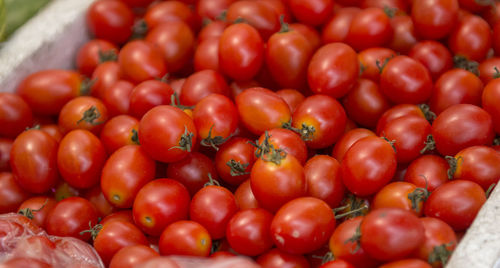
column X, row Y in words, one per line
column 292, row 97
column 117, row 97
column 244, row 196
column 391, row 233
column 248, row 231
column 261, row 109
column 96, row 197
column 434, row 19
column 53, row 130
column 456, row 203
column 347, row 140
column 119, row 131
column 402, row 195
column 405, row 80
column 471, row 38
column 147, row 95
column 333, row 70
column 193, row 171
column 83, row 112
column 15, row 115
column 70, row 217
column 372, row 59
column 160, row 203
column 175, row 39
column 337, row 264
column 491, row 93
column 115, row 235
column 337, row 27
column 434, row 56
column 480, row 164
column 37, row 208
column 169, row 11
column 405, row 36
column 368, row 165
column 47, row 91
column 212, row 8
column 80, row 158
column 104, row 76
column 5, row 146
column 201, row 84
column 302, row 225
column 438, row 236
column 323, row 179
column 241, row 51
column 110, row 20
column 187, row 238
column 286, row 140
column 370, row 27
column 313, row 12
column 11, row 194
column 94, row 52
column 406, row 263
column 206, row 54
column 121, row 215
column 137, row 3
column 488, row 69
column 287, row 56
column 496, row 39
column 130, row 256
column 212, row 207
column 320, row 119
column 167, row 133
column 140, row 61
column 257, row 14
column 461, row 126
column 234, row 160
column 401, row 110
column 279, row 258
column 211, row 30
column 427, row 171
column 365, row 103
column 33, row 159
column 124, row 174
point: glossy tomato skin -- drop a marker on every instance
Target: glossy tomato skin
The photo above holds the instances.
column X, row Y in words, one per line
column 212, row 207
column 407, row 263
column 487, row 70
column 5, row 146
column 111, row 20
column 325, row 115
column 211, row 9
column 175, row 39
column 187, row 238
column 119, row 131
column 278, row 258
column 302, row 225
column 313, row 13
column 368, row 61
column 140, row 61
column 124, row 174
column 471, row 38
column 435, row 56
column 71, row 216
column 405, row 80
column 117, row 97
column 116, row 235
column 391, row 233
column 456, row 203
column 130, row 256
column 480, row 164
column 206, row 54
column 292, row 97
column 261, row 109
column 83, row 112
column 365, row 103
column 147, row 95
column 80, row 158
column 322, row 174
column 257, row 14
column 96, row 197
column 47, row 91
column 398, row 195
column 368, row 165
column 163, row 128
column 105, row 75
column 437, row 233
column 288, row 141
column 491, row 93
column 333, row 70
column 275, row 184
column 427, row 171
column 370, row 27
column 193, row 171
column 15, row 115
column 33, row 159
column 404, row 35
column 241, row 52
column 92, row 53
column 244, row 196
column 287, row 56
column 201, row 84
column 248, row 231
column 461, row 126
column 170, row 11
column 434, row 19
column 11, row 194
column 160, row 203
column 337, row 27
column 397, row 111
column 347, row 140
column 40, row 207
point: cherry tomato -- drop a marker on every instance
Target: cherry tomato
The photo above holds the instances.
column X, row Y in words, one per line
column 15, row 115
column 244, row 196
column 83, row 112
column 96, row 197
column 94, row 52
column 333, row 70
column 337, row 27
column 117, row 97
column 372, row 59
column 434, row 56
column 160, row 203
column 140, row 61
column 440, row 239
column 406, row 263
column 479, row 164
column 488, row 69
column 234, row 160
column 206, row 54
column 5, row 146
column 368, row 165
column 292, row 97
column 256, row 13
column 427, row 171
column 33, row 159
column 471, row 38
column 402, row 195
column 391, row 233
column 248, row 231
column 147, row 95
column 278, row 258
column 490, row 94
column 111, row 20
column 170, row 11
column 286, row 140
column 405, row 36
column 370, row 27
column 212, row 30
column 187, row 238
column 70, row 217
column 11, row 194
column 104, row 76
column 212, row 8
column 121, row 215
column 434, row 19
column 456, row 202
column 53, row 130
column 193, row 171
column 124, row 173
column 37, row 208
column 401, row 110
column 130, row 256
column 241, row 51
column 201, row 84
column 322, row 174
column 167, row 133
column 347, row 140
column 119, row 131
column 461, row 126
column 313, row 12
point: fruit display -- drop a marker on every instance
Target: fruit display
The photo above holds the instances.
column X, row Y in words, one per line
column 256, row 133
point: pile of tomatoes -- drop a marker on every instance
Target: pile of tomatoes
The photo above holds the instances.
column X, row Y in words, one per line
column 346, row 133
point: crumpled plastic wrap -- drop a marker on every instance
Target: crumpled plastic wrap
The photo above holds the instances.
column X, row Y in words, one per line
column 20, row 238
column 195, row 262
